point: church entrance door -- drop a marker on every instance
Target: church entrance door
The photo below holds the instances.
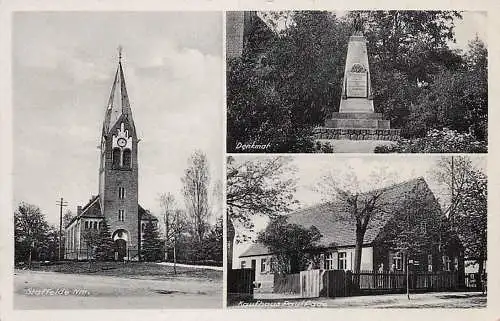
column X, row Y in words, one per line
column 121, row 249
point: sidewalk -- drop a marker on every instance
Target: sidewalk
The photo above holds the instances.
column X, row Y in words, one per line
column 420, row 300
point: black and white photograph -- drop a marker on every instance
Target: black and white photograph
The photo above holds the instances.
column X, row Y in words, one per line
column 357, row 81
column 117, row 160
column 357, row 231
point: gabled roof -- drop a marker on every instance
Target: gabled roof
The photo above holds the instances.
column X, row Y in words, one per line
column 145, row 215
column 91, row 210
column 118, row 103
column 338, row 228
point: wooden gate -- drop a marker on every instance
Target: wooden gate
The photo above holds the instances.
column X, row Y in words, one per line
column 335, row 284
column 310, row 283
column 240, row 284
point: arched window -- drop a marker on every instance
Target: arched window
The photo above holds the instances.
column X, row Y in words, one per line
column 126, row 158
column 116, row 157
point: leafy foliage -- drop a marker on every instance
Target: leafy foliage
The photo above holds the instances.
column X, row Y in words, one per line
column 291, row 244
column 437, row 141
column 105, row 247
column 258, row 186
column 468, row 208
column 152, row 246
column 31, row 233
column 289, row 82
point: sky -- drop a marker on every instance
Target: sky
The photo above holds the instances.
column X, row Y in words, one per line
column 472, row 23
column 63, row 69
column 309, row 170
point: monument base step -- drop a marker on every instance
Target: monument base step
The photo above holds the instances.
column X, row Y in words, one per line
column 349, row 115
column 358, row 123
column 357, row 133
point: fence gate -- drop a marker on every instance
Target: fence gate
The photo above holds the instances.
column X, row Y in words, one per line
column 335, row 284
column 240, row 284
column 310, row 283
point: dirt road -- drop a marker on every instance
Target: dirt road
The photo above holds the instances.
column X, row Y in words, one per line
column 51, row 290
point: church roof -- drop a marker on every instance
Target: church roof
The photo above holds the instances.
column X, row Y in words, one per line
column 146, row 215
column 118, row 103
column 338, row 228
column 93, row 210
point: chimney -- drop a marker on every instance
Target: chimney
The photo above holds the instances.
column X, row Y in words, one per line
column 78, row 210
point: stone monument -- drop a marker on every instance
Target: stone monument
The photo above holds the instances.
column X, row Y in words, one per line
column 356, row 118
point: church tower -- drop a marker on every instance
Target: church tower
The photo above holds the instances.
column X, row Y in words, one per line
column 118, row 171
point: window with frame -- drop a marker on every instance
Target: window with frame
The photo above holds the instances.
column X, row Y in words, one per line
column 429, row 262
column 86, row 225
column 342, row 264
column 455, row 263
column 121, row 192
column 397, row 260
column 446, row 263
column 263, row 262
column 329, row 262
column 243, row 264
column 121, row 215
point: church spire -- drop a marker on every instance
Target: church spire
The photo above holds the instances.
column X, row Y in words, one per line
column 118, row 103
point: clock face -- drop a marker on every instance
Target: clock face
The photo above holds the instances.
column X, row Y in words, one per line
column 122, row 142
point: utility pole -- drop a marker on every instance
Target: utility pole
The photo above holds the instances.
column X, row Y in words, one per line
column 407, row 276
column 61, row 204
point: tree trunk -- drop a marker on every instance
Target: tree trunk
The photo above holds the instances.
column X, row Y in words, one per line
column 357, row 257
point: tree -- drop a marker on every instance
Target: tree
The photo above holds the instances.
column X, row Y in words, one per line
column 467, row 204
column 92, row 240
column 49, row 248
column 167, row 204
column 292, row 245
column 289, row 82
column 67, row 217
column 105, row 248
column 30, row 231
column 278, row 95
column 258, row 186
column 152, row 247
column 213, row 243
column 362, row 200
column 195, row 182
column 471, row 221
column 180, row 225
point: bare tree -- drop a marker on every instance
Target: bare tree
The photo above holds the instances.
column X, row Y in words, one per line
column 454, row 172
column 179, row 226
column 67, row 217
column 167, row 205
column 360, row 197
column 196, row 182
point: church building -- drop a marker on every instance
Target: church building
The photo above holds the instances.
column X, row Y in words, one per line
column 117, row 201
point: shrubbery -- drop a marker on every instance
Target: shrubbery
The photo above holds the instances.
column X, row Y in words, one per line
column 437, row 141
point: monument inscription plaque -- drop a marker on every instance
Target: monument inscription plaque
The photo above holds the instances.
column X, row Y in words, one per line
column 357, row 85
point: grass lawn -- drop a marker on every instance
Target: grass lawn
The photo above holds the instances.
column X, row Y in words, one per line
column 132, row 270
